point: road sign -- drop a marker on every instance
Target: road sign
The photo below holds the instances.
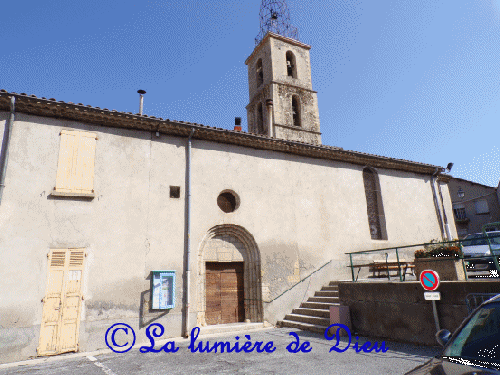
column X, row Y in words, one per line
column 432, row 296
column 429, row 280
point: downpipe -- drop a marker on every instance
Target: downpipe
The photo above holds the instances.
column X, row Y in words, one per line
column 4, row 156
column 446, row 225
column 436, row 203
column 187, row 294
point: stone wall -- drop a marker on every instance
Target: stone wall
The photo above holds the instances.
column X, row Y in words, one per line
column 398, row 311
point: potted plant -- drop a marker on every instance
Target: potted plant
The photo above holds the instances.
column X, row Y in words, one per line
column 442, row 258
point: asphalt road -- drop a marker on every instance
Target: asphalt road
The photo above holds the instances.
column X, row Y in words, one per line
column 399, row 359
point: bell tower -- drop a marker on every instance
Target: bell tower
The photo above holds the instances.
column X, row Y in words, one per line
column 282, row 102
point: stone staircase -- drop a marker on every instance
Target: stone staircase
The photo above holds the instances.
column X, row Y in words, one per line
column 314, row 315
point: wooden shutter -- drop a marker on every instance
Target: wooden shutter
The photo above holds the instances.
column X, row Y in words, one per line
column 70, row 319
column 481, row 207
column 66, row 160
column 52, row 303
column 75, row 171
column 62, row 303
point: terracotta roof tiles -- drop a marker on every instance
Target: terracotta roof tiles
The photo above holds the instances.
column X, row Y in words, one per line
column 43, row 107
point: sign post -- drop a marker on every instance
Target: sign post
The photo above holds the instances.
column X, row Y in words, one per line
column 430, row 281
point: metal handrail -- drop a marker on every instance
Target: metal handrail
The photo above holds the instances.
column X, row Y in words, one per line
column 458, row 242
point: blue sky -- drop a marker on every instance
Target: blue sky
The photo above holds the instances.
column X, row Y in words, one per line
column 416, row 80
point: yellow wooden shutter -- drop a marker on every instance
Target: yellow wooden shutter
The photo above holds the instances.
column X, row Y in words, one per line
column 75, row 171
column 66, row 160
column 84, row 173
column 52, row 303
column 70, row 319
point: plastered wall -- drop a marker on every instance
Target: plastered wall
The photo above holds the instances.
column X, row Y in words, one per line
column 300, row 212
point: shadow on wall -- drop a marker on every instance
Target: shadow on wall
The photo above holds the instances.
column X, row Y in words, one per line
column 146, row 314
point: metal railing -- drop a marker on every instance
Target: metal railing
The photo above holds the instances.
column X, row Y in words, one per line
column 401, row 264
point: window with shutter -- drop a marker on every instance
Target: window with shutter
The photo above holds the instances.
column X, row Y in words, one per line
column 481, row 207
column 75, row 170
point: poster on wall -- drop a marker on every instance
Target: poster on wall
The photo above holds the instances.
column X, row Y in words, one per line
column 162, row 290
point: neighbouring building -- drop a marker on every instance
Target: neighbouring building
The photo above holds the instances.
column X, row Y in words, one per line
column 109, row 217
column 474, row 205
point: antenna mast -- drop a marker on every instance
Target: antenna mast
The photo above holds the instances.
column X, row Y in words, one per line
column 275, row 17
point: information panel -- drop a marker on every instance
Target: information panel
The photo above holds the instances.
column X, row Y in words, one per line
column 162, row 290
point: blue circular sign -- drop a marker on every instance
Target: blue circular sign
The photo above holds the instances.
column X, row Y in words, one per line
column 429, row 279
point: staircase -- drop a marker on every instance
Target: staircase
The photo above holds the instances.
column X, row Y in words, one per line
column 314, row 315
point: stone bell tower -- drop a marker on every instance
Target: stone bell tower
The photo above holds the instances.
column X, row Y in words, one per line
column 282, row 102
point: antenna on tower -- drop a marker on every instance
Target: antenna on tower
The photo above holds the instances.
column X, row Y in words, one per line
column 275, row 17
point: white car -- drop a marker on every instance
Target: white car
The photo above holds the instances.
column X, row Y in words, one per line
column 475, row 246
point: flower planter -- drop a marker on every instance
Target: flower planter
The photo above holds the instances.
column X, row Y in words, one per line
column 448, row 269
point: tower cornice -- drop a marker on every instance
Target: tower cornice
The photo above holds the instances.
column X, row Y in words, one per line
column 279, row 37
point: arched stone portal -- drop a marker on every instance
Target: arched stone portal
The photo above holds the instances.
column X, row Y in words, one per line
column 232, row 243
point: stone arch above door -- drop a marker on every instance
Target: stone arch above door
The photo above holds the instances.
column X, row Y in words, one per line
column 231, row 243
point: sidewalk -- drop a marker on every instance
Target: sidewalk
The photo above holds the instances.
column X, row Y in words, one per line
column 397, row 360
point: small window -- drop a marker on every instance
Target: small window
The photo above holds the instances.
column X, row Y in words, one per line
column 295, row 110
column 175, row 191
column 260, row 73
column 260, row 119
column 481, row 207
column 228, row 201
column 459, row 211
column 291, row 68
column 75, row 169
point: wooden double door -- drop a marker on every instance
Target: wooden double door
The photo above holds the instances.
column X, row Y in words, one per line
column 62, row 303
column 225, row 298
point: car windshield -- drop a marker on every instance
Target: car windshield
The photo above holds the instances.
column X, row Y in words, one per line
column 479, row 339
column 479, row 239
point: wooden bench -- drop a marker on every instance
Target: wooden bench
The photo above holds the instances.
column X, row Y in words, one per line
column 382, row 266
column 387, row 267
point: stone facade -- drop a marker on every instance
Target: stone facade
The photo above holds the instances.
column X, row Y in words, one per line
column 475, row 206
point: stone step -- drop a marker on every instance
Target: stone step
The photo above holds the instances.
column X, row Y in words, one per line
column 318, row 305
column 326, row 293
column 308, row 319
column 303, row 326
column 231, row 327
column 322, row 313
column 324, row 299
column 332, row 288
column 334, row 283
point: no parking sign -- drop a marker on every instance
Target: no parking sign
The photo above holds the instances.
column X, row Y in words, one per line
column 429, row 280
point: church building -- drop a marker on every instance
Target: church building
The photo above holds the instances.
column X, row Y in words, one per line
column 110, row 217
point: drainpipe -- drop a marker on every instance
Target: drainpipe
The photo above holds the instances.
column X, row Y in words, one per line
column 269, row 103
column 187, row 293
column 4, row 156
column 446, row 225
column 436, row 204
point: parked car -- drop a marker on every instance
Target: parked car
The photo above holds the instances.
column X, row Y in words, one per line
column 476, row 245
column 474, row 348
